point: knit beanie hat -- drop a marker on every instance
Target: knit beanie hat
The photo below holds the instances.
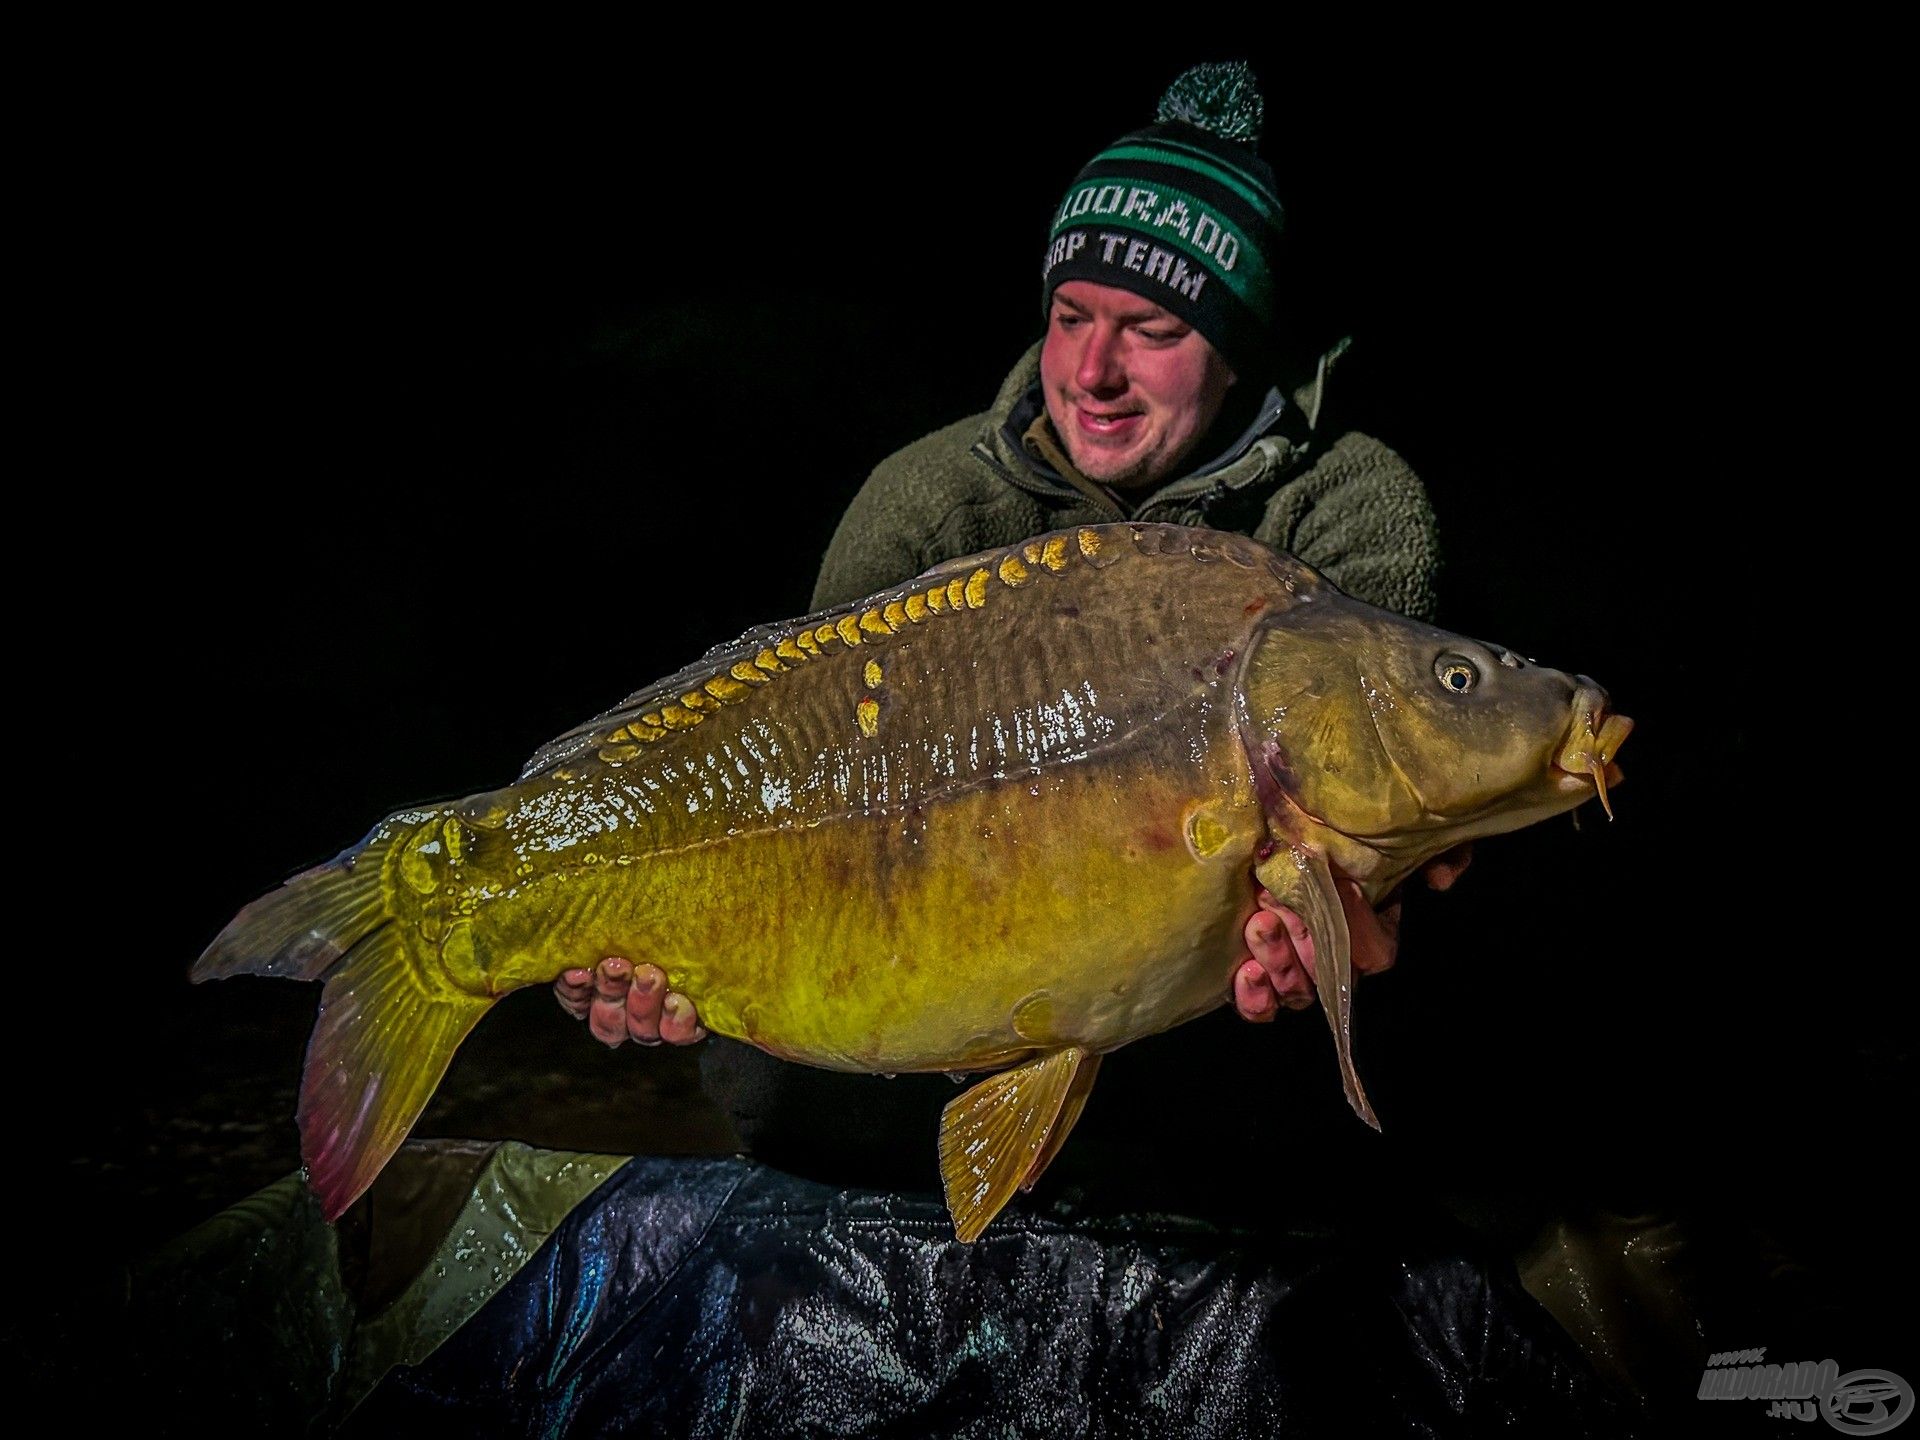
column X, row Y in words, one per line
column 1184, row 214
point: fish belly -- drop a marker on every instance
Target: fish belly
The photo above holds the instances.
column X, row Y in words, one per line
column 1088, row 905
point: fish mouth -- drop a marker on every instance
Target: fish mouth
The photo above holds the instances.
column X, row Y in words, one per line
column 1593, row 739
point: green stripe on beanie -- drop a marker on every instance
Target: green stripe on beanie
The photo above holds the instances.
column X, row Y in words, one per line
column 1176, row 223
column 1169, row 152
column 1184, row 214
column 1210, row 241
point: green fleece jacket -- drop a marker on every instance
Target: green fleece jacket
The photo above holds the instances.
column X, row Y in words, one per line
column 1341, row 501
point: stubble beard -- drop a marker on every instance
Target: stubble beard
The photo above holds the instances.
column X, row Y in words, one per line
column 1117, row 471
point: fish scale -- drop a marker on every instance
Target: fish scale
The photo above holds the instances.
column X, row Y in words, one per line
column 1002, row 819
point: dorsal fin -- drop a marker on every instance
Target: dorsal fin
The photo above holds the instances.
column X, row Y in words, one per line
column 729, row 674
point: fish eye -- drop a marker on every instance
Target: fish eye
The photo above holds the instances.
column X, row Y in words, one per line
column 1457, row 674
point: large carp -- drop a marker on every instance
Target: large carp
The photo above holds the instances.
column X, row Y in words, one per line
column 999, row 819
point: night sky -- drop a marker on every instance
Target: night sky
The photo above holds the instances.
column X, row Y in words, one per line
column 454, row 402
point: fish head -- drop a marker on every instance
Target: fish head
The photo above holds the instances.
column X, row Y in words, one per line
column 1384, row 741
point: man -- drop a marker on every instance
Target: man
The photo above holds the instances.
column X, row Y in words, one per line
column 1153, row 395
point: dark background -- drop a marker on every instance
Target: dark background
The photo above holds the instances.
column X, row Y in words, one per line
column 448, row 402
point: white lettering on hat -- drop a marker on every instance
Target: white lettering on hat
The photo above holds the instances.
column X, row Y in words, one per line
column 1207, row 234
column 1064, row 249
column 1210, row 237
column 1148, row 260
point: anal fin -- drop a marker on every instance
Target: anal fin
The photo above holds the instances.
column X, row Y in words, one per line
column 1004, row 1131
column 1078, row 1090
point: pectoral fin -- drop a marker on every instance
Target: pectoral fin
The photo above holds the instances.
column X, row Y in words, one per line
column 1301, row 879
column 1002, row 1133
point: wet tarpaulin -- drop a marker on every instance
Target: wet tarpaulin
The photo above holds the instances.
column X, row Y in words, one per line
column 266, row 1319
column 720, row 1297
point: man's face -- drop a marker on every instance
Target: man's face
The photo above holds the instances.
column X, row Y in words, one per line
column 1130, row 387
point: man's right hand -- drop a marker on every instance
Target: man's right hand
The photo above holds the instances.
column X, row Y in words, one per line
column 621, row 1001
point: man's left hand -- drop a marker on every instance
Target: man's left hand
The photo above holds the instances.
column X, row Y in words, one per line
column 1279, row 968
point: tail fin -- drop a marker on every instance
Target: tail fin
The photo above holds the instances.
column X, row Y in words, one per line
column 378, row 1051
column 386, row 1031
column 305, row 928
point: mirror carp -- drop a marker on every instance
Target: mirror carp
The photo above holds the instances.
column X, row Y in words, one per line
column 1000, row 819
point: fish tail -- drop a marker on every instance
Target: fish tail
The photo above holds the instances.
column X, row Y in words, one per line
column 378, row 1052
column 389, row 1019
column 306, row 927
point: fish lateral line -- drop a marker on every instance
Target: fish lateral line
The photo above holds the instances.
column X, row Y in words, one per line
column 940, row 790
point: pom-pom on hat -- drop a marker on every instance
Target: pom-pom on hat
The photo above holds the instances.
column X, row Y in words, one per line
column 1184, row 213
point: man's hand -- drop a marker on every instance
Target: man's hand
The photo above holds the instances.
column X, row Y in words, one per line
column 621, row 1001
column 1279, row 970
